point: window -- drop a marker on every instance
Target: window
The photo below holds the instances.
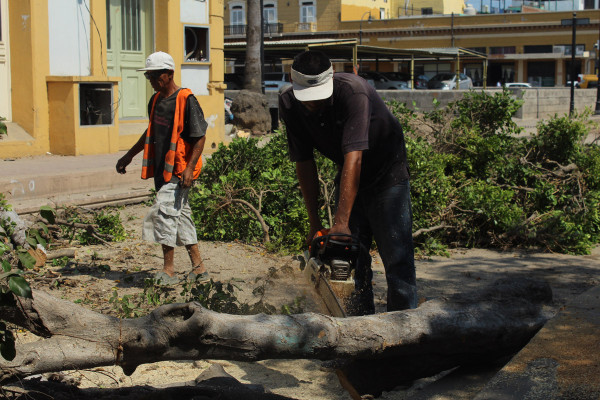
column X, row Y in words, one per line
column 541, row 73
column 237, row 15
column 269, row 13
column 579, row 49
column 131, row 25
column 426, row 11
column 503, row 50
column 95, row 104
column 589, row 4
column 382, row 13
column 196, row 43
column 537, row 49
column 307, row 12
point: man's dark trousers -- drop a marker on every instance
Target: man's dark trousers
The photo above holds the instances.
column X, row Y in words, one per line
column 387, row 216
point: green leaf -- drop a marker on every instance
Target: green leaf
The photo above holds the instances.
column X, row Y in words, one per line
column 27, row 260
column 39, row 238
column 6, row 266
column 48, row 214
column 19, row 286
column 44, row 227
column 3, row 248
column 32, row 242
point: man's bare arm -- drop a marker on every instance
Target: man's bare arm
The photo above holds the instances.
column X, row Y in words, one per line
column 135, row 149
column 188, row 173
column 309, row 185
column 348, row 189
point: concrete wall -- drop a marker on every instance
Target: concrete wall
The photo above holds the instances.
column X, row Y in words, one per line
column 538, row 102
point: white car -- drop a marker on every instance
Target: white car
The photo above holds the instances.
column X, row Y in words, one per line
column 447, row 81
column 276, row 81
column 517, row 85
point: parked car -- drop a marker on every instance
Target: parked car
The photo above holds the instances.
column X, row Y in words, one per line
column 447, row 80
column 587, row 81
column 383, row 83
column 275, row 81
column 517, row 85
column 234, row 81
column 420, row 81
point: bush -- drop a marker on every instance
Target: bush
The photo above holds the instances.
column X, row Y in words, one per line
column 243, row 181
column 473, row 182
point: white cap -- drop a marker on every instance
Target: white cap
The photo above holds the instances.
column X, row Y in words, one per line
column 312, row 87
column 157, row 61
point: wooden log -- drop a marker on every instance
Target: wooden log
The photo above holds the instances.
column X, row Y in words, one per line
column 70, row 253
column 441, row 333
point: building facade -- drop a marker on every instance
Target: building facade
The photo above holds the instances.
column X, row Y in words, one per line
column 533, row 47
column 68, row 79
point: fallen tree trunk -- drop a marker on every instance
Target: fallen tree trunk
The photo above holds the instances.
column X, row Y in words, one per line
column 483, row 325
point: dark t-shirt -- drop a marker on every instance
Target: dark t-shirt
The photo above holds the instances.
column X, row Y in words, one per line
column 355, row 118
column 194, row 128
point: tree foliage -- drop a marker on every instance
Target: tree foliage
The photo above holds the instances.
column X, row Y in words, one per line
column 475, row 181
column 261, row 178
column 473, row 174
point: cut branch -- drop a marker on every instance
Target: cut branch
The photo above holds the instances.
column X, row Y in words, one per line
column 431, row 229
column 482, row 325
column 263, row 224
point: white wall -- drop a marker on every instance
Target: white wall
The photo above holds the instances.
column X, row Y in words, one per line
column 194, row 11
column 69, row 37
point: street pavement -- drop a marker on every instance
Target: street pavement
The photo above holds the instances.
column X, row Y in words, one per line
column 92, row 180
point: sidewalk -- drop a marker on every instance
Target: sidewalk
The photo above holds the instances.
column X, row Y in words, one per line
column 31, row 182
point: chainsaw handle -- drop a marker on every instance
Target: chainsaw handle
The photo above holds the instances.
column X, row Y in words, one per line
column 320, row 243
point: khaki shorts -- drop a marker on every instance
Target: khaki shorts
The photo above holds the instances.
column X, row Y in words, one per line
column 169, row 220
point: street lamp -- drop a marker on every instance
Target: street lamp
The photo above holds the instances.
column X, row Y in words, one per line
column 369, row 20
column 597, row 46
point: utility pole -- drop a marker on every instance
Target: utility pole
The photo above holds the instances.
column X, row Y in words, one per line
column 597, row 66
column 573, row 41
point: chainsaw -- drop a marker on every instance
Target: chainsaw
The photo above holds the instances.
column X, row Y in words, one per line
column 329, row 264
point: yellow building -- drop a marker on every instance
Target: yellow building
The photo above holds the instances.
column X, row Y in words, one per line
column 68, row 79
column 522, row 47
column 285, row 17
column 533, row 46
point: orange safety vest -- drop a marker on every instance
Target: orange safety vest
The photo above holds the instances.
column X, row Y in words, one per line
column 180, row 151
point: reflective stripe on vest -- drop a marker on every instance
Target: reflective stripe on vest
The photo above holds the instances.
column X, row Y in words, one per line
column 179, row 152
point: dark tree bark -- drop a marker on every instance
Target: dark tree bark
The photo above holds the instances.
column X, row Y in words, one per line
column 388, row 347
column 253, row 67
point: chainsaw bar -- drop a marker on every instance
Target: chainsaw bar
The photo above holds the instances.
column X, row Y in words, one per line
column 332, row 293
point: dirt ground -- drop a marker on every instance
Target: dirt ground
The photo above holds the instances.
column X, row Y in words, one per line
column 97, row 271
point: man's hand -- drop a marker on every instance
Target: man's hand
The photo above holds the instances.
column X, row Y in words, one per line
column 312, row 232
column 340, row 228
column 187, row 178
column 123, row 163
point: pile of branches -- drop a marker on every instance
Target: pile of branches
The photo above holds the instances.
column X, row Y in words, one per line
column 479, row 182
column 475, row 181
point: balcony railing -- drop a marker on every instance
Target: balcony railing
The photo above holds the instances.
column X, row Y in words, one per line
column 307, row 26
column 241, row 29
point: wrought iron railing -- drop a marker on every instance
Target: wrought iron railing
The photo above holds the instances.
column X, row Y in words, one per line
column 241, row 29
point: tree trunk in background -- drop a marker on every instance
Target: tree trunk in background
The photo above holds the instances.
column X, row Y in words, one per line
column 253, row 67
